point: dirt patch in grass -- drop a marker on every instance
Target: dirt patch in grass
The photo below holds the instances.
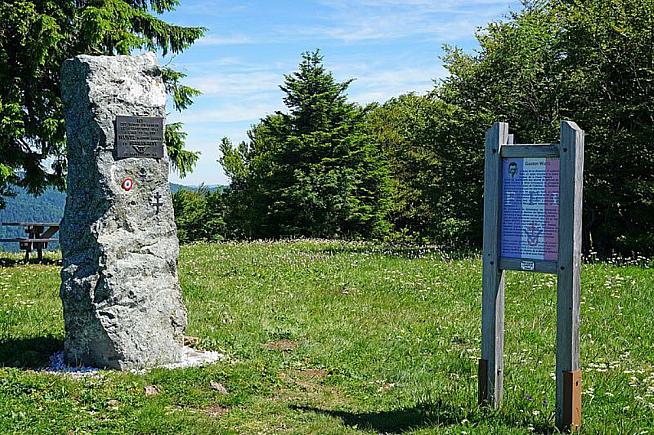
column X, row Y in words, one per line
column 191, row 341
column 309, row 380
column 151, row 390
column 306, row 379
column 215, row 410
column 284, row 345
column 306, row 386
column 313, row 374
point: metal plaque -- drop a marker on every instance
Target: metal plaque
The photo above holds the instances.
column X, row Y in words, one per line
column 139, row 136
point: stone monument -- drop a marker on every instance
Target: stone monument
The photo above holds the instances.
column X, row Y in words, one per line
column 121, row 296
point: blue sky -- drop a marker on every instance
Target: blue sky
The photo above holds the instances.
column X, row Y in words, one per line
column 389, row 46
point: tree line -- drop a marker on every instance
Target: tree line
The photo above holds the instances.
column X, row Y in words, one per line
column 411, row 169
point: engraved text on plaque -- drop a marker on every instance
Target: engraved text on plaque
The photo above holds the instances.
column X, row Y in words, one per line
column 139, row 136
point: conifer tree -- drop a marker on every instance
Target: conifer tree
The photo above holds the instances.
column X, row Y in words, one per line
column 35, row 38
column 312, row 172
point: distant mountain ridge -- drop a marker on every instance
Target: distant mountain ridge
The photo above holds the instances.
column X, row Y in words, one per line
column 48, row 207
column 174, row 188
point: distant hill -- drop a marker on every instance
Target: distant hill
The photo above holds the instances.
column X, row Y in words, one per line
column 174, row 188
column 48, row 207
column 24, row 207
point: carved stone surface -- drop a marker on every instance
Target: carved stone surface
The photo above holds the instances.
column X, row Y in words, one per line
column 121, row 296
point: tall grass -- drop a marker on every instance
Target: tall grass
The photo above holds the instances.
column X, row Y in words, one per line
column 335, row 337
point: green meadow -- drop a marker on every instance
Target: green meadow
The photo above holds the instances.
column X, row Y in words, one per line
column 338, row 337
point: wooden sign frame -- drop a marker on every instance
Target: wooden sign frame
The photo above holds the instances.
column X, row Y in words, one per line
column 570, row 152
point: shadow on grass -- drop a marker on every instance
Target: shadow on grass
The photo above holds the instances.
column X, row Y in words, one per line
column 15, row 262
column 29, row 353
column 425, row 416
column 398, row 420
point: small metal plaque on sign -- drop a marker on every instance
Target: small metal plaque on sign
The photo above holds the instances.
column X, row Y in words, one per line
column 139, row 136
column 527, row 265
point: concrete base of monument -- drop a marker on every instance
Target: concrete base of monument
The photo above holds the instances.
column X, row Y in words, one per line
column 190, row 358
column 195, row 358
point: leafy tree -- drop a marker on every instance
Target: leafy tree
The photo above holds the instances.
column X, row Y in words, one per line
column 436, row 168
column 35, row 38
column 586, row 60
column 607, row 63
column 199, row 215
column 314, row 171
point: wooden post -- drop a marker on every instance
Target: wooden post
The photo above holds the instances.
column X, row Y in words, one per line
column 28, row 246
column 568, row 375
column 491, row 364
column 38, row 229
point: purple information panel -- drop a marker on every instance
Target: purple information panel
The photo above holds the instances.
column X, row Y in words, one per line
column 530, row 208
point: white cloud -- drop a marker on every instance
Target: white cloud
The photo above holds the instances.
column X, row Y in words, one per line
column 226, row 40
column 389, row 28
column 236, row 83
column 441, row 6
column 369, row 20
column 389, row 46
column 380, row 81
column 228, row 114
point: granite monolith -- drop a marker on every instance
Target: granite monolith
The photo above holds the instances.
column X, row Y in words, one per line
column 121, row 297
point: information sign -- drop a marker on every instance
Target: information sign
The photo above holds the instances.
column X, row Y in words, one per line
column 530, row 208
column 532, row 223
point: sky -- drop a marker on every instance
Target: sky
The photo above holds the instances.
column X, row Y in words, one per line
column 390, row 47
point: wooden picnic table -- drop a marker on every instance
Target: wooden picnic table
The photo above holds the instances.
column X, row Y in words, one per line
column 39, row 234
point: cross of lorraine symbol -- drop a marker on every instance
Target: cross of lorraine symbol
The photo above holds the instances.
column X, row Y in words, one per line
column 156, row 202
column 533, row 234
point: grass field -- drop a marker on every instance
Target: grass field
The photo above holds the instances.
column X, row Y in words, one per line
column 328, row 337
